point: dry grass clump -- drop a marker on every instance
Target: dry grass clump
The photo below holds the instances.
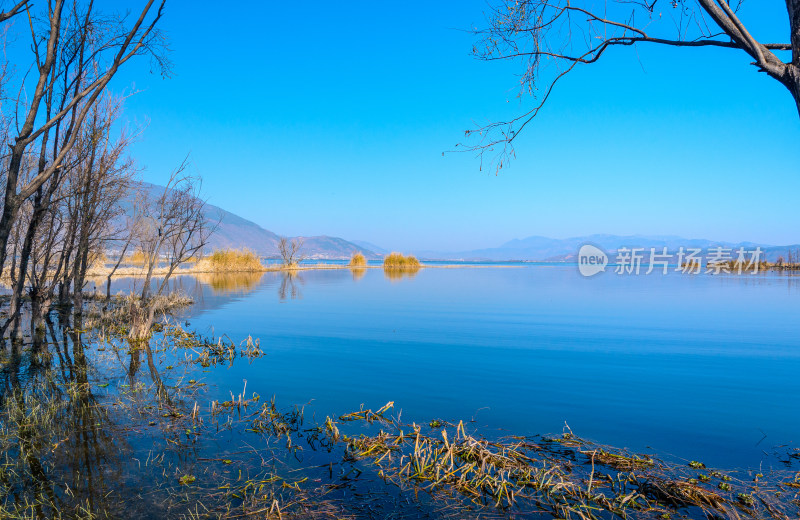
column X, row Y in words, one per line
column 126, row 307
column 564, row 477
column 137, row 257
column 230, row 260
column 358, row 260
column 398, row 261
column 97, row 260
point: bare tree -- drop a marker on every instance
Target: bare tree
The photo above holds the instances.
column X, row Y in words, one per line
column 126, row 236
column 71, row 217
column 290, row 251
column 552, row 37
column 100, row 182
column 172, row 228
column 76, row 53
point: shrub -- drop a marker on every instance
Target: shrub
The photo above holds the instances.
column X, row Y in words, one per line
column 398, row 261
column 230, row 260
column 97, row 260
column 358, row 260
column 137, row 257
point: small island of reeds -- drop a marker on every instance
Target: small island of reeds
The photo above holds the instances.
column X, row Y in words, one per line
column 358, row 260
column 230, row 261
column 398, row 261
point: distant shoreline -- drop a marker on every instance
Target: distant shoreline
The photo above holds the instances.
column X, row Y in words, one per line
column 130, row 272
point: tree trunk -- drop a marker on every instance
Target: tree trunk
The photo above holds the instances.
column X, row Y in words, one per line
column 6, row 223
column 793, row 69
column 114, row 269
column 24, row 259
column 142, row 316
column 793, row 72
column 37, row 321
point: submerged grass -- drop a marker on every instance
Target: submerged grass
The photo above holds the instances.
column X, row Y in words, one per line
column 563, row 477
column 95, row 415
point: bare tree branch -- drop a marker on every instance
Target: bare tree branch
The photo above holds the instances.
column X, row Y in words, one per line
column 5, row 15
column 551, row 37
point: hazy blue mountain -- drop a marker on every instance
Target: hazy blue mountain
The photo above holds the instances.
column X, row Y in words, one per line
column 332, row 247
column 371, row 247
column 541, row 249
column 233, row 231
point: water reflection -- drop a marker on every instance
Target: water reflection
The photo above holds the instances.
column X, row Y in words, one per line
column 53, row 424
column 68, row 404
column 81, row 422
column 358, row 273
column 398, row 274
column 231, row 283
column 726, row 344
column 289, row 286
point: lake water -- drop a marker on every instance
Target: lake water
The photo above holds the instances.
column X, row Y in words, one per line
column 689, row 367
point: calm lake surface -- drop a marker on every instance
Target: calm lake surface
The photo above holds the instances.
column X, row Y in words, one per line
column 692, row 367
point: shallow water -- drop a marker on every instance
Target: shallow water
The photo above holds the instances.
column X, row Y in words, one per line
column 691, row 367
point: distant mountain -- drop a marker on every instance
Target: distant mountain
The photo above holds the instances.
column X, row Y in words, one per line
column 544, row 249
column 371, row 247
column 235, row 232
column 324, row 247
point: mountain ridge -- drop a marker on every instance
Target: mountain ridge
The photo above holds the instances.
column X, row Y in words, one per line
column 236, row 232
column 536, row 248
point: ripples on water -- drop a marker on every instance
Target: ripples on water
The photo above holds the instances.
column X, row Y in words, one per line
column 695, row 366
column 684, row 367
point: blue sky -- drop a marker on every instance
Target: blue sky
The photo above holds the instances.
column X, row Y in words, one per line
column 331, row 118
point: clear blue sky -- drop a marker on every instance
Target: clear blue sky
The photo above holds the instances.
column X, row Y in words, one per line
column 331, row 118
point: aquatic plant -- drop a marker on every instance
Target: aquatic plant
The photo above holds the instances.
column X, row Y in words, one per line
column 230, row 260
column 398, row 261
column 71, row 433
column 358, row 260
column 137, row 258
column 561, row 477
column 97, row 260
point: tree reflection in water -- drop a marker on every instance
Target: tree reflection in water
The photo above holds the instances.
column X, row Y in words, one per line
column 72, row 428
column 289, row 286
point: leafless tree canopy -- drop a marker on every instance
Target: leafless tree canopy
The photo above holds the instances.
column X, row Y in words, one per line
column 290, row 250
column 171, row 228
column 64, row 168
column 75, row 52
column 552, row 37
column 65, row 227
